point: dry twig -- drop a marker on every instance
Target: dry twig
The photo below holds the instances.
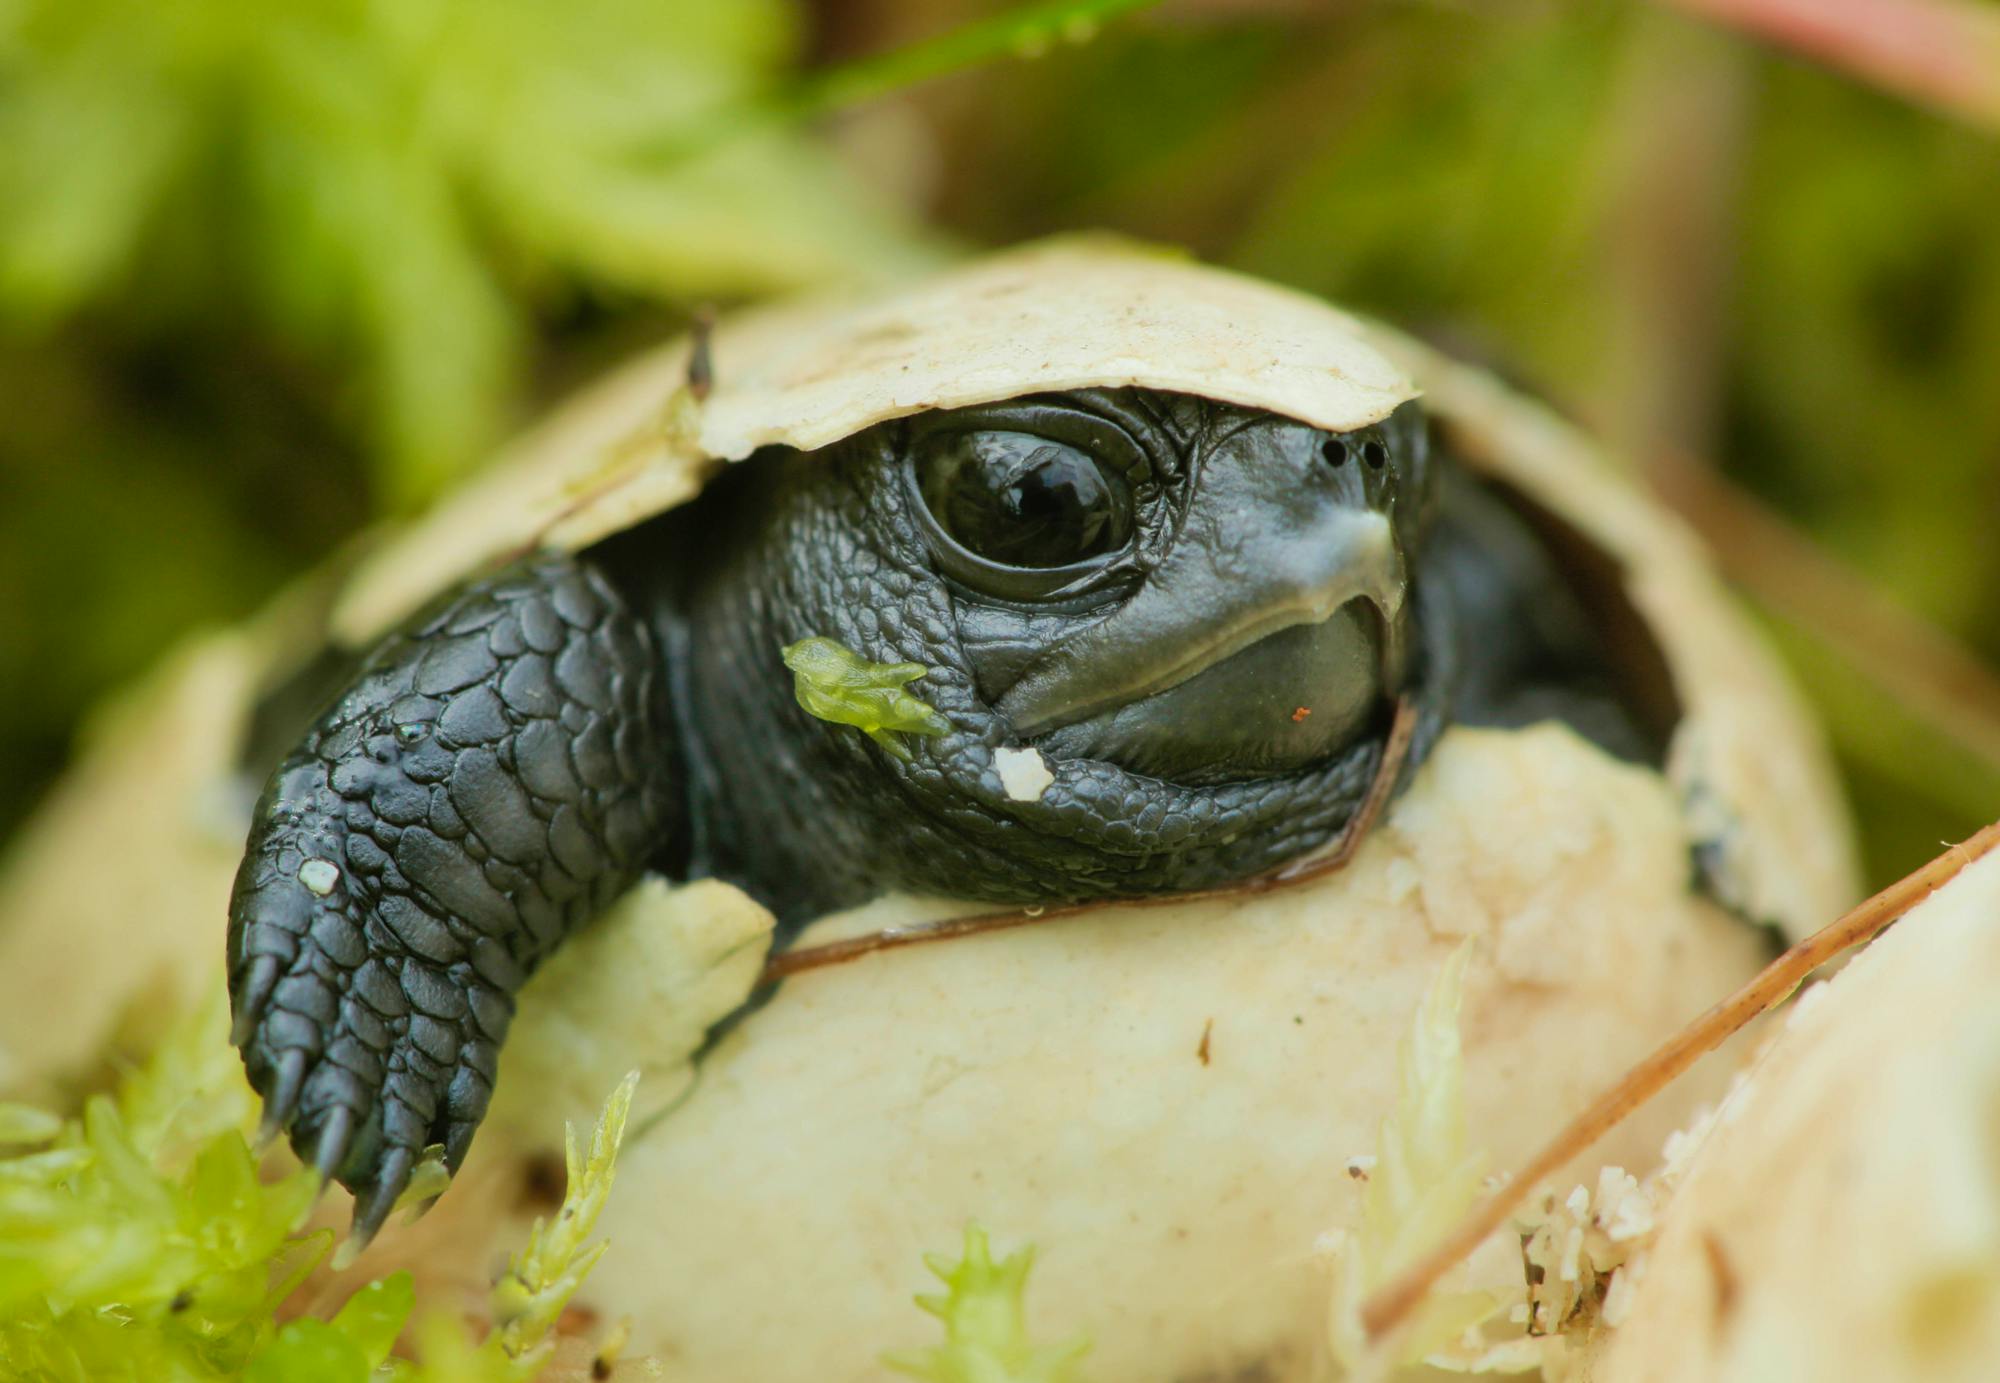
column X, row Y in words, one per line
column 1389, row 1306
column 1940, row 53
column 1918, row 664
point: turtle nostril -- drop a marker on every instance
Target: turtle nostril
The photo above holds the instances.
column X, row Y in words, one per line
column 1375, row 454
column 1334, row 450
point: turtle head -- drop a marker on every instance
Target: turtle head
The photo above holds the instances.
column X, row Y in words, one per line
column 1191, row 590
column 1193, row 614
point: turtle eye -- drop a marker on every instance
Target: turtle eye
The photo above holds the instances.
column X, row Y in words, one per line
column 1023, row 501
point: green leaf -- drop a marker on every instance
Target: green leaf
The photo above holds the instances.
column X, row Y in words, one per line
column 1023, row 31
column 309, row 1351
column 838, row 685
column 985, row 1324
column 21, row 1123
column 1425, row 1177
column 374, row 1316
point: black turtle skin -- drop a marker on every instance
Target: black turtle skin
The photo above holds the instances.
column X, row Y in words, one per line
column 514, row 758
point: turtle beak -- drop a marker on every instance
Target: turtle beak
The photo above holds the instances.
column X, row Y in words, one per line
column 1275, row 539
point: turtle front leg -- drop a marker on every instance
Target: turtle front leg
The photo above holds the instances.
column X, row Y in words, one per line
column 500, row 771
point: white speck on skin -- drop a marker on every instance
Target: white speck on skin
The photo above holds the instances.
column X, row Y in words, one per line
column 1024, row 773
column 319, row 876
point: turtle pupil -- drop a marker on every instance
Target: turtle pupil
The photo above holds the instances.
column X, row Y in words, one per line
column 1023, row 501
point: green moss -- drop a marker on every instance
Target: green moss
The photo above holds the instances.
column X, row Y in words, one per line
column 1426, row 1176
column 137, row 1241
column 352, row 1345
column 542, row 1278
column 985, row 1324
column 140, row 1242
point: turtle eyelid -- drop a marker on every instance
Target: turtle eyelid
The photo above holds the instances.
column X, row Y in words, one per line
column 1115, row 437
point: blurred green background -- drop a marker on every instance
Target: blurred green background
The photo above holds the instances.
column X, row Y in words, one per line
column 271, row 273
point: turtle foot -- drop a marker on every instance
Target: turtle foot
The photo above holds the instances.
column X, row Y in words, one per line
column 499, row 771
column 366, row 1052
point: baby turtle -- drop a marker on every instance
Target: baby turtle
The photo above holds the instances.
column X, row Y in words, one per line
column 1189, row 616
column 1114, row 592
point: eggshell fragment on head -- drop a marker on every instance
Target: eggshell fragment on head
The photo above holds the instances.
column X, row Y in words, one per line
column 319, row 876
column 1076, row 312
column 1024, row 773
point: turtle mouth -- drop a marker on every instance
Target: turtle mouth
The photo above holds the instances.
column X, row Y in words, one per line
column 1281, row 693
column 1209, row 604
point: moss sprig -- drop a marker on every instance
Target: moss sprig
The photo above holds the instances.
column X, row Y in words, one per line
column 838, row 685
column 986, row 1336
column 138, row 1241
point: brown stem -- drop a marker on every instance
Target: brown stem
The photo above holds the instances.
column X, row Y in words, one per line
column 1921, row 666
column 1942, row 53
column 1383, row 1311
column 1395, row 749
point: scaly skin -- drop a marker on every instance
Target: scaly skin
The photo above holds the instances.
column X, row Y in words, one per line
column 510, row 762
column 501, row 770
column 814, row 546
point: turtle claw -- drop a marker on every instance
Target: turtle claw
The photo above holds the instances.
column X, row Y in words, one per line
column 457, row 1139
column 338, row 1043
column 251, row 996
column 281, row 1096
column 335, row 1142
column 328, row 1016
column 373, row 1206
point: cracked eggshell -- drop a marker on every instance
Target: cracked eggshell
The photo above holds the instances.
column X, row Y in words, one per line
column 114, row 898
column 1071, row 313
column 1841, row 1220
column 1747, row 761
column 772, row 1215
column 1164, row 1100
column 1759, row 796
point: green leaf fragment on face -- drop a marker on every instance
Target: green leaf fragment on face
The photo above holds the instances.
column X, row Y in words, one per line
column 985, row 1324
column 838, row 685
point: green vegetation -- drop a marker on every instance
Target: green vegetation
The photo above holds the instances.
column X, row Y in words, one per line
column 1425, row 1177
column 389, row 189
column 984, row 1313
column 139, row 1242
column 837, row 684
